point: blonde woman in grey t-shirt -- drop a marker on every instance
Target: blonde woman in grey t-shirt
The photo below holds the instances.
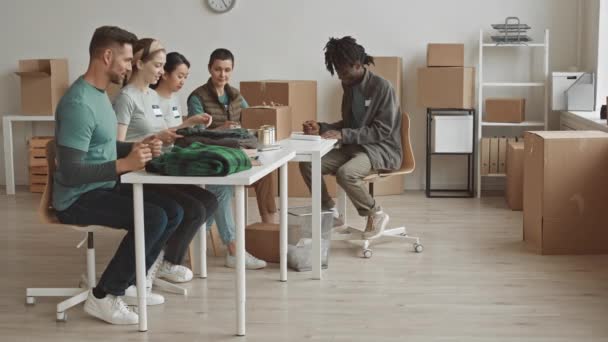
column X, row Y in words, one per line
column 139, row 113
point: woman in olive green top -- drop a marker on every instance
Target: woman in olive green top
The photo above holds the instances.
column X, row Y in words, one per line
column 224, row 103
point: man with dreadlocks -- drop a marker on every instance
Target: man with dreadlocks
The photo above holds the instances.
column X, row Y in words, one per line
column 369, row 132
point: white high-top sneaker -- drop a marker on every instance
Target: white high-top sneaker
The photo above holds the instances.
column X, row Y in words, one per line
column 111, row 309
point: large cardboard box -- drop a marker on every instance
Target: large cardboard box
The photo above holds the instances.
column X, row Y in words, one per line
column 566, row 191
column 449, row 87
column 301, row 96
column 279, row 117
column 262, row 241
column 43, row 83
column 514, row 188
column 445, row 55
column 505, row 110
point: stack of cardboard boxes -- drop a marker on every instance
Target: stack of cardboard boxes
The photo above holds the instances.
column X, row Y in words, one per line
column 285, row 104
column 446, row 82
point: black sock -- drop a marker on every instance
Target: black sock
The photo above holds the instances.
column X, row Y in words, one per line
column 99, row 293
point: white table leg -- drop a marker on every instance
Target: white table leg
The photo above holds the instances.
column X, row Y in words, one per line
column 283, row 222
column 140, row 255
column 316, row 215
column 240, row 260
column 200, row 251
column 9, row 168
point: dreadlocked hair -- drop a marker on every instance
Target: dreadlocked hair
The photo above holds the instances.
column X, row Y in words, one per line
column 345, row 51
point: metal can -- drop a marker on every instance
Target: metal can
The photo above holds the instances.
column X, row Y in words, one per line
column 266, row 135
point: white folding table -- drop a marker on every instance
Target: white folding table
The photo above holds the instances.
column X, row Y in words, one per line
column 271, row 161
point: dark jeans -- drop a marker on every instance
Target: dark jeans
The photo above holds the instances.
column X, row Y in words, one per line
column 114, row 208
column 199, row 206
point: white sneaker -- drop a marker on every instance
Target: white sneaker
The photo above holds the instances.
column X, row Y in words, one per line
column 174, row 273
column 338, row 222
column 110, row 309
column 152, row 298
column 251, row 262
column 377, row 222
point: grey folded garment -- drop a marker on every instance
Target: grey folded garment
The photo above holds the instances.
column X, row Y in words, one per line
column 235, row 138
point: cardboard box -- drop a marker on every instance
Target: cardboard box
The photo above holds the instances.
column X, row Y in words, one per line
column 445, row 55
column 391, row 69
column 505, row 110
column 279, row 117
column 494, row 155
column 485, row 156
column 446, row 87
column 301, row 96
column 43, row 83
column 565, row 193
column 514, row 187
column 262, row 241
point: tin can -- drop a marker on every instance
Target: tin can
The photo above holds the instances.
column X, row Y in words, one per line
column 266, row 135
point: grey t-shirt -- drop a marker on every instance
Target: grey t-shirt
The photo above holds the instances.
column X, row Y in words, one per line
column 172, row 111
column 140, row 111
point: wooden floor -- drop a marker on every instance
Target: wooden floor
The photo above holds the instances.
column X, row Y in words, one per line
column 475, row 281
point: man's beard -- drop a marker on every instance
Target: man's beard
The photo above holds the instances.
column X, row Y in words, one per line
column 117, row 79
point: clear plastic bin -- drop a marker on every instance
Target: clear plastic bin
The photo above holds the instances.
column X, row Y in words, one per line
column 299, row 248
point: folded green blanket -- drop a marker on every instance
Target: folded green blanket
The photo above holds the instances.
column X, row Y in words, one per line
column 200, row 160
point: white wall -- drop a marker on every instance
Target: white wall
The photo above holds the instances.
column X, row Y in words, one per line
column 274, row 39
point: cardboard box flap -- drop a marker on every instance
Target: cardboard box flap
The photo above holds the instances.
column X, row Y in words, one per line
column 33, row 73
column 569, row 134
column 272, row 227
column 267, row 107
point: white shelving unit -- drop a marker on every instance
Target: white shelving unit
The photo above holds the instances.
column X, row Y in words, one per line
column 534, row 83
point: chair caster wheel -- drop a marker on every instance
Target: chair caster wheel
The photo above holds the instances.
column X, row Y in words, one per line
column 367, row 253
column 30, row 300
column 418, row 248
column 62, row 317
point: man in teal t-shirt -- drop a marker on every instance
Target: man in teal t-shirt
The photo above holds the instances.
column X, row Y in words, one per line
column 89, row 160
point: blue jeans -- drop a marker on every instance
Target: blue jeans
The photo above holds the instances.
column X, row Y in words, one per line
column 198, row 205
column 114, row 208
column 223, row 215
